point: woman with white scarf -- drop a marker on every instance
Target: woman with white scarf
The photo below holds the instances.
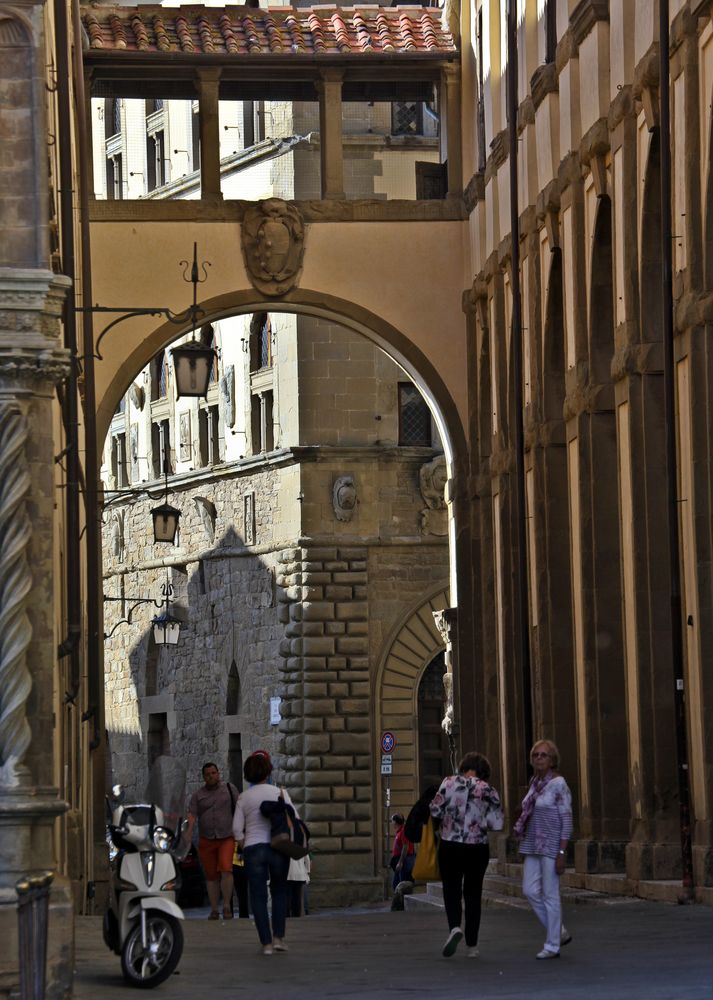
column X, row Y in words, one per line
column 544, row 829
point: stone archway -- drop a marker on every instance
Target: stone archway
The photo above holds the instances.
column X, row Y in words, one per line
column 413, row 644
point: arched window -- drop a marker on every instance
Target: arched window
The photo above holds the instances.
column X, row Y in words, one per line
column 208, row 338
column 602, row 296
column 260, row 342
column 159, row 377
column 232, row 700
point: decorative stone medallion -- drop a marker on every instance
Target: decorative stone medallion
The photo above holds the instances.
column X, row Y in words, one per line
column 272, row 239
column 344, row 498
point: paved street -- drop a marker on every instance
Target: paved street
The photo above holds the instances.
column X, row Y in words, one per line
column 620, row 950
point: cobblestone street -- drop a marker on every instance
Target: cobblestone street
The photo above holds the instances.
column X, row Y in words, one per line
column 621, row 949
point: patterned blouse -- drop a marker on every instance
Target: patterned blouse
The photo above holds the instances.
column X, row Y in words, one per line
column 551, row 820
column 467, row 809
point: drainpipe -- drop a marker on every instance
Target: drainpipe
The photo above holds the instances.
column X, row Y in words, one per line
column 516, row 354
column 71, row 643
column 96, row 873
column 677, row 655
column 95, row 680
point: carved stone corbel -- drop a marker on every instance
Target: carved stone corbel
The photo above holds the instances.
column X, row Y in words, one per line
column 445, row 622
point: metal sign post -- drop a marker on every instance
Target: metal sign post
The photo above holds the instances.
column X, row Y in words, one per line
column 387, row 746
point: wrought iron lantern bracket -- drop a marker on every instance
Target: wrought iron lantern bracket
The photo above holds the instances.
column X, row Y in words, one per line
column 191, row 274
column 165, row 602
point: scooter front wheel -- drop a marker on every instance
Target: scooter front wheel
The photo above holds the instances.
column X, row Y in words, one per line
column 149, row 966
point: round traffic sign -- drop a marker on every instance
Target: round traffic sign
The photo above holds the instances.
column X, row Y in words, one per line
column 388, row 742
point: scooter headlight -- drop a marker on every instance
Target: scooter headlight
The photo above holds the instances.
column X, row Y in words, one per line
column 113, row 849
column 162, row 838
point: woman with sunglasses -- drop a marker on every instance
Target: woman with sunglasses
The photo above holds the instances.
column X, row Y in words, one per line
column 543, row 829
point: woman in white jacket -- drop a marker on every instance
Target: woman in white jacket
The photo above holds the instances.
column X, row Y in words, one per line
column 253, row 832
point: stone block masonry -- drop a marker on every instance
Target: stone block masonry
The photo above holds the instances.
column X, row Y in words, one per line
column 326, row 732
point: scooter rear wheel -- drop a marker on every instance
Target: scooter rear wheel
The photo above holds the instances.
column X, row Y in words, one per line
column 147, row 967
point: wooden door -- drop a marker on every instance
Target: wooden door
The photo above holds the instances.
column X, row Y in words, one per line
column 433, row 759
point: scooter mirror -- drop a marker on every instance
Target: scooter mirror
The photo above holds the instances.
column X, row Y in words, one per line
column 117, row 792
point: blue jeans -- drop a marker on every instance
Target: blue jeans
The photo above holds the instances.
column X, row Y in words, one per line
column 261, row 862
column 405, row 874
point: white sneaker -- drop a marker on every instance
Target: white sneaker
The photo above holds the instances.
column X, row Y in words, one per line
column 565, row 936
column 267, row 949
column 547, row 954
column 473, row 953
column 449, row 948
column 279, row 944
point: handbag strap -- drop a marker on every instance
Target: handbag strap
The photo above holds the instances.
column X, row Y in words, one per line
column 232, row 797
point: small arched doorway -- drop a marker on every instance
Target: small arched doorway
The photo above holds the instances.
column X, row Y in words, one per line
column 433, row 752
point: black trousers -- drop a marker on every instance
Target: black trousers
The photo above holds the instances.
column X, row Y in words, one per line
column 462, row 871
column 240, row 882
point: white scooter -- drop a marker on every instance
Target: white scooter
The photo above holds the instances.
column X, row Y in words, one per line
column 142, row 923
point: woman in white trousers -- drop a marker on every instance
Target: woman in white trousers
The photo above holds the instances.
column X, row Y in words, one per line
column 544, row 829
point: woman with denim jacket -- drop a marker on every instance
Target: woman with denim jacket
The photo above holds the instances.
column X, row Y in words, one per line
column 467, row 807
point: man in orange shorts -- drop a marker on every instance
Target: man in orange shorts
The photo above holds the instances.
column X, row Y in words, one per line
column 213, row 806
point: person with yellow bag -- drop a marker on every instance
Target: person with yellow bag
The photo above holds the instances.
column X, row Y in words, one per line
column 467, row 806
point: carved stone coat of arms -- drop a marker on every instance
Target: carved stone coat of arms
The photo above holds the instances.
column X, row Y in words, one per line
column 272, row 237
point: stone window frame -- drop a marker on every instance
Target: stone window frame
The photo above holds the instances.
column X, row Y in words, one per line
column 209, row 435
column 402, row 388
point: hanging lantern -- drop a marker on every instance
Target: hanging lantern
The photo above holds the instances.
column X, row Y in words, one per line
column 192, row 364
column 166, row 629
column 165, row 523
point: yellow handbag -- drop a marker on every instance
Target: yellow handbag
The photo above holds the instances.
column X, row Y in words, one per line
column 426, row 867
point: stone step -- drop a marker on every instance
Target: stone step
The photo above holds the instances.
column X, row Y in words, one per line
column 423, row 902
column 582, row 887
column 503, row 886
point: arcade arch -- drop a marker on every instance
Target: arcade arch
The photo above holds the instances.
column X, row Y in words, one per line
column 406, row 655
column 328, row 611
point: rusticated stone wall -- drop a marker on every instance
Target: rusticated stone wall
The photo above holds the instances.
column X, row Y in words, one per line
column 326, row 729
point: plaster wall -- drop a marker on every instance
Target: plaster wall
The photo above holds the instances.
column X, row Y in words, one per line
column 344, row 272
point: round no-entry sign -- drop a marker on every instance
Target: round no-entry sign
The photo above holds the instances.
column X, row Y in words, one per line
column 388, row 742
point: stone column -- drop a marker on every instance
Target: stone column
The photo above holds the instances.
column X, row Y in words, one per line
column 603, row 825
column 330, row 133
column 31, row 364
column 326, row 729
column 208, row 101
column 450, row 91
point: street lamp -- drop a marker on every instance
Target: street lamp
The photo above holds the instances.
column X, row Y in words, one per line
column 192, row 365
column 165, row 523
column 166, row 628
column 193, row 362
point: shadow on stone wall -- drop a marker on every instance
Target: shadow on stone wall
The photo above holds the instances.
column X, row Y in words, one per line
column 208, row 698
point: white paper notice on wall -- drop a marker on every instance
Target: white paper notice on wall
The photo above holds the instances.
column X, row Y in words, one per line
column 275, row 711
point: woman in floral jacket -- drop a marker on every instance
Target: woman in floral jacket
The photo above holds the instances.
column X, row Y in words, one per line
column 467, row 807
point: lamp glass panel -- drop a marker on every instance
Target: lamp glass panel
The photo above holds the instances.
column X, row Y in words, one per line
column 166, row 633
column 165, row 525
column 193, row 370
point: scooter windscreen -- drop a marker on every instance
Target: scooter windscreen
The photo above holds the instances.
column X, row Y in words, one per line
column 166, row 789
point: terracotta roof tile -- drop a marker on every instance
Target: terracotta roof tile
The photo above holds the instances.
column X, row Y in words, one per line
column 245, row 31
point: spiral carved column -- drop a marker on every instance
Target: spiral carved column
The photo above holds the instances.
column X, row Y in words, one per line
column 15, row 584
